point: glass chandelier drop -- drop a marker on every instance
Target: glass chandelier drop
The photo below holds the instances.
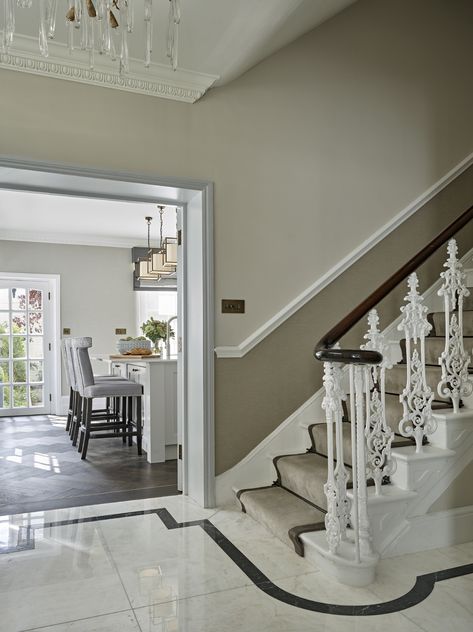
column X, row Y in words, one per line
column 95, row 26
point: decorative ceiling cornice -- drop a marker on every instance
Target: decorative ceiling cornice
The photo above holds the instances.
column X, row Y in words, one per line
column 157, row 81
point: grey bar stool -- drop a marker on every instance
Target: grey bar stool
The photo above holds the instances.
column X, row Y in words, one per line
column 75, row 399
column 89, row 389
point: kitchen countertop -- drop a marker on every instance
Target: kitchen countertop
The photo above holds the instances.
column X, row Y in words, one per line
column 131, row 358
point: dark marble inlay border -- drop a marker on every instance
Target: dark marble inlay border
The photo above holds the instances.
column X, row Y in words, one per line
column 422, row 588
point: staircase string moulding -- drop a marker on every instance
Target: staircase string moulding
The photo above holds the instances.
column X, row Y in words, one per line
column 100, row 27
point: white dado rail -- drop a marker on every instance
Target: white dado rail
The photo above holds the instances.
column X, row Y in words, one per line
column 159, row 380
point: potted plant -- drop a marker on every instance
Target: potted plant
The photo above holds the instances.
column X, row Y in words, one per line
column 155, row 330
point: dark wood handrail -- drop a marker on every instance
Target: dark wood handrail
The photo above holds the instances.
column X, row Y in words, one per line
column 337, row 332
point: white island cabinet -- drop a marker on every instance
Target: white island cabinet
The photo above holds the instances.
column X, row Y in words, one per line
column 159, row 380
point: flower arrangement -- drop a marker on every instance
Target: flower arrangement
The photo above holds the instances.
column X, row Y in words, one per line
column 155, row 330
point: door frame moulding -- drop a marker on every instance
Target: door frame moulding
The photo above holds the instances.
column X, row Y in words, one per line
column 54, row 284
column 199, row 463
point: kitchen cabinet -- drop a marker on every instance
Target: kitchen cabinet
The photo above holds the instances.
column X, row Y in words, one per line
column 159, row 380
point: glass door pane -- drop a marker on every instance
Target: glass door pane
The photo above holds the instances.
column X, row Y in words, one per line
column 22, row 349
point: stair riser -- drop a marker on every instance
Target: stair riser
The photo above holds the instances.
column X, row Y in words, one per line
column 397, row 376
column 306, row 480
column 433, row 350
column 437, row 320
column 318, row 434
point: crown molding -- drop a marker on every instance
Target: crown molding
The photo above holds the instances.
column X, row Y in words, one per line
column 158, row 80
column 69, row 239
column 238, row 351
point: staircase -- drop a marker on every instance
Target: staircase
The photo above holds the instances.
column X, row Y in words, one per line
column 378, row 417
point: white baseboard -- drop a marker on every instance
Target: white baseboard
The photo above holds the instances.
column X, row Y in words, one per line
column 256, row 468
column 238, row 351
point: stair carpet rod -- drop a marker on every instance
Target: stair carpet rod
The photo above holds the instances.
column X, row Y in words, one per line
column 347, row 525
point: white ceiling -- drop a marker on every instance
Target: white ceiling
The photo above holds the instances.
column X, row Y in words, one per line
column 42, row 217
column 218, row 41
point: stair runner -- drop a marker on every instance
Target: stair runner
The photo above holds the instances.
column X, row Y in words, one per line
column 296, row 501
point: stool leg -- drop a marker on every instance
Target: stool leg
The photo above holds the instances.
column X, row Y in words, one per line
column 130, row 420
column 74, row 413
column 77, row 420
column 139, row 425
column 124, row 418
column 80, row 429
column 70, row 411
column 87, row 423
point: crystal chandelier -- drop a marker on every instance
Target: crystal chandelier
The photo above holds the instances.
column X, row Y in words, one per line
column 96, row 26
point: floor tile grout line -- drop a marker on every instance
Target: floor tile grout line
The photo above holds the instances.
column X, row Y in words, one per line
column 203, row 594
column 103, row 539
column 53, row 625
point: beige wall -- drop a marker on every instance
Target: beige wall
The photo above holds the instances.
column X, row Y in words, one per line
column 311, row 151
column 96, row 286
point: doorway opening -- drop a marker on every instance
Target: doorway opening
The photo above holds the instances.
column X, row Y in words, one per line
column 43, row 382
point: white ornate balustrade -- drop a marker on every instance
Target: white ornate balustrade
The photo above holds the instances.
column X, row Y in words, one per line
column 379, row 435
column 454, row 361
column 416, row 399
column 347, row 519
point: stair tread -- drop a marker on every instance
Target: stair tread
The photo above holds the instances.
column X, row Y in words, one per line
column 279, row 511
column 304, row 475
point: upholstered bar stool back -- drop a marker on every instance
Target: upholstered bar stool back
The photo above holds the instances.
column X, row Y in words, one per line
column 67, row 370
column 90, row 389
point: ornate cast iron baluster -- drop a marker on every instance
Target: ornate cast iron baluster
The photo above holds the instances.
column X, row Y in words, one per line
column 379, row 435
column 416, row 399
column 454, row 360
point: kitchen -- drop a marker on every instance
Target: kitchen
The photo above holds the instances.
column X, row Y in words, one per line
column 95, row 278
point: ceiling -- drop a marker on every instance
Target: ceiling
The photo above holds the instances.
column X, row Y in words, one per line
column 42, row 217
column 218, row 41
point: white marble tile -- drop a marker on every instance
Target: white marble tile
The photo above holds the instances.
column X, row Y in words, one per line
column 250, row 610
column 182, row 508
column 395, row 576
column 120, row 621
column 158, row 565
column 69, row 575
column 267, row 552
column 441, row 612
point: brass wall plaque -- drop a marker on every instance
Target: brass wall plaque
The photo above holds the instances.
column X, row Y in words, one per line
column 66, row 331
column 120, row 331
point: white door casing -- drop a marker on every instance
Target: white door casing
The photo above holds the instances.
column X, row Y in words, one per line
column 197, row 330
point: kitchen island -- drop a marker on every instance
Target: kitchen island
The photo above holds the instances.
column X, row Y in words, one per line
column 158, row 376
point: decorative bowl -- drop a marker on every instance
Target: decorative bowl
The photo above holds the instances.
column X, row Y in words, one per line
column 124, row 347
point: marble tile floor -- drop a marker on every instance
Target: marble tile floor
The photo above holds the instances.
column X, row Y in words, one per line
column 95, row 568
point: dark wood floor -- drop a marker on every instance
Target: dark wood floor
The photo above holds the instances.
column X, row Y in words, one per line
column 40, row 470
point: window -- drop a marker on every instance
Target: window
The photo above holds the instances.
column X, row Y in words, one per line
column 159, row 305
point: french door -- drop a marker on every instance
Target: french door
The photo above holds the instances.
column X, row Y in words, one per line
column 25, row 347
